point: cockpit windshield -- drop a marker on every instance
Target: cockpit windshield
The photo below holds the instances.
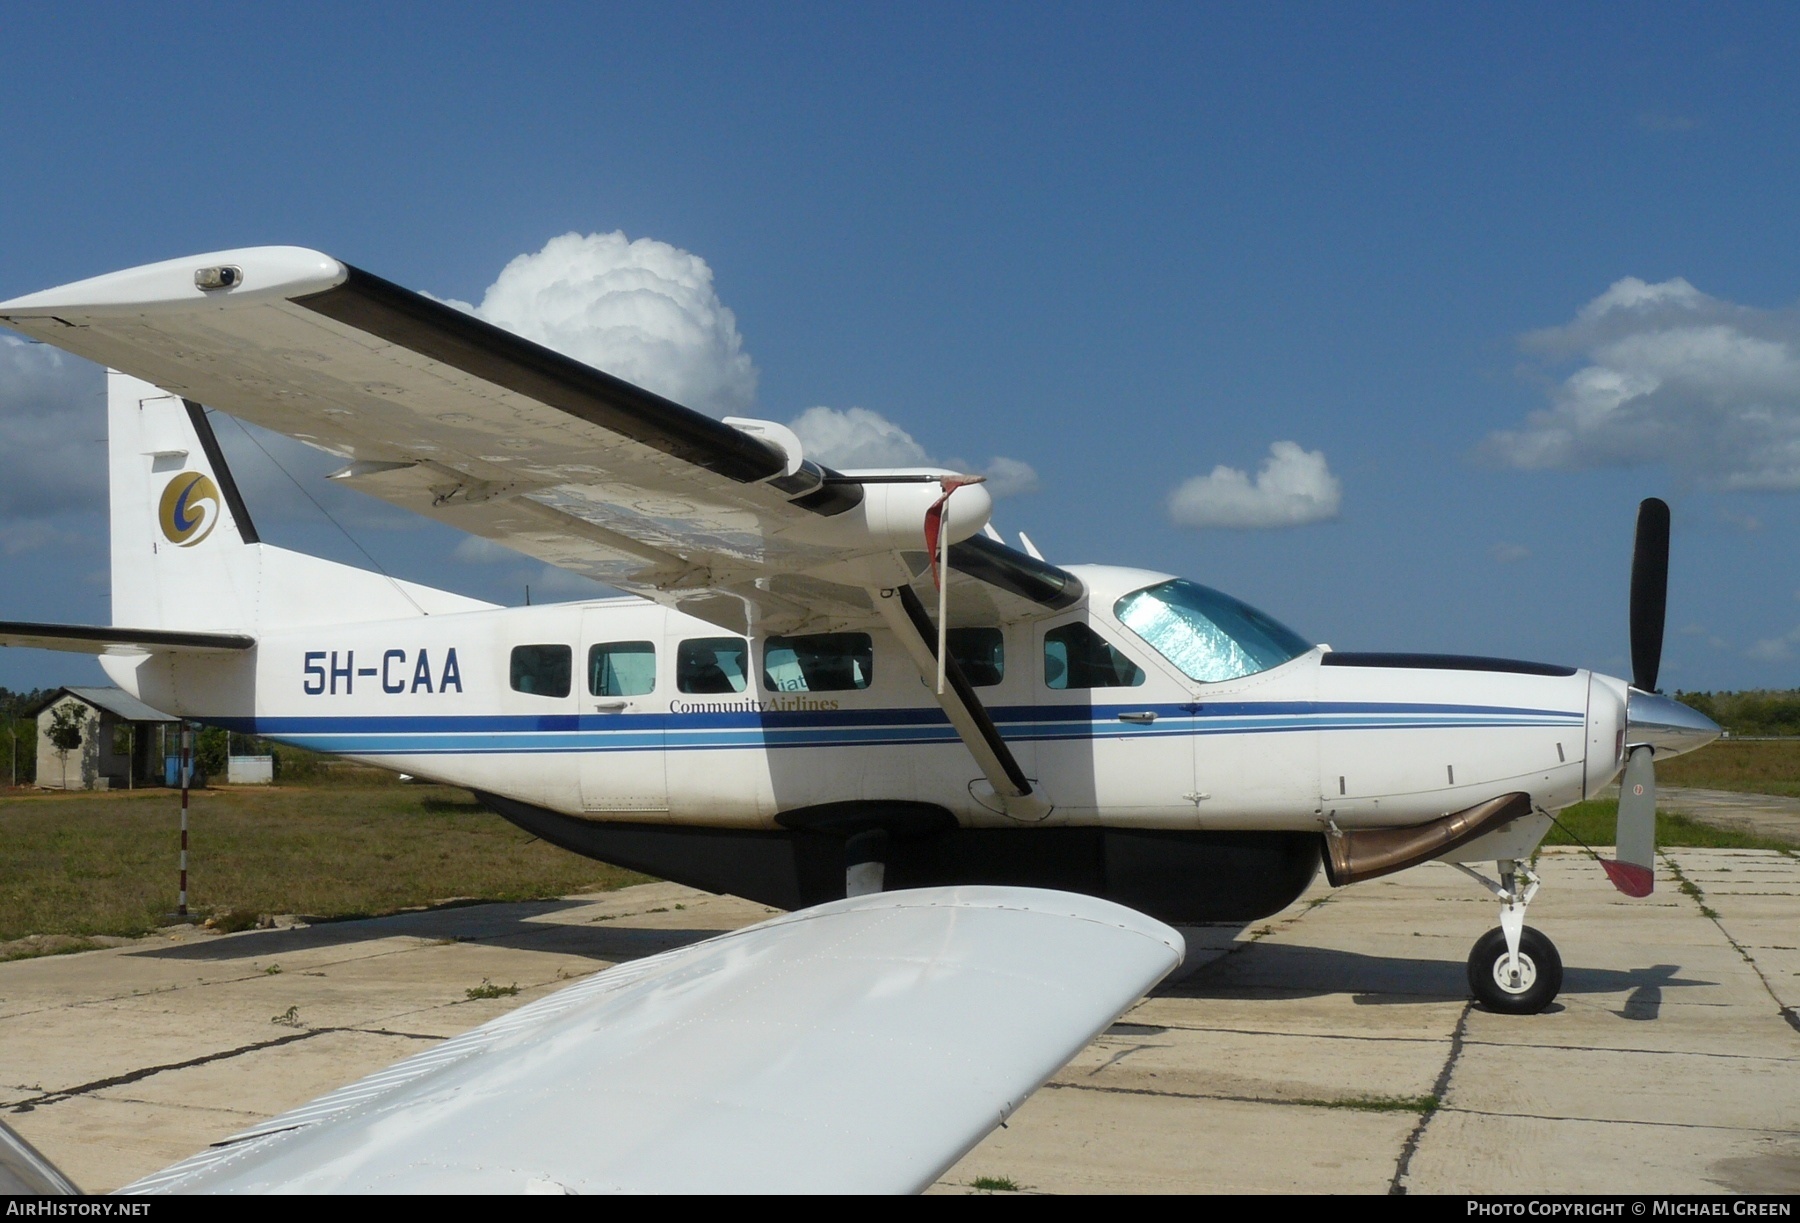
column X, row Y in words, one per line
column 1210, row 636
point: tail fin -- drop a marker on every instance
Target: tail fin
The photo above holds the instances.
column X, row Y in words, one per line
column 179, row 542
column 185, row 553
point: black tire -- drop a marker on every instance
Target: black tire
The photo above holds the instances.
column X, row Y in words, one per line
column 1541, row 973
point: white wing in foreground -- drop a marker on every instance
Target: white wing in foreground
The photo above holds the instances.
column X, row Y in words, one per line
column 862, row 1046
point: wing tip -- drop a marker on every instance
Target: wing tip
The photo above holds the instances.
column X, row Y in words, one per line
column 262, row 272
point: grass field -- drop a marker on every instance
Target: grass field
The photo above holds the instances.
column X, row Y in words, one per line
column 105, row 864
column 1768, row 766
column 1596, row 824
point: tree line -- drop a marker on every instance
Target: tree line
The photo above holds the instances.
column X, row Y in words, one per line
column 1754, row 714
column 18, row 735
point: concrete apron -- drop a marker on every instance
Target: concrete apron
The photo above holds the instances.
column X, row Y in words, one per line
column 1761, row 815
column 1302, row 1054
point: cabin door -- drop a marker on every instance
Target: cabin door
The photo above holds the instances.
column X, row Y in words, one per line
column 1114, row 739
column 622, row 683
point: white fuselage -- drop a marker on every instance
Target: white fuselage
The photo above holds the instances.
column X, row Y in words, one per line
column 1290, row 748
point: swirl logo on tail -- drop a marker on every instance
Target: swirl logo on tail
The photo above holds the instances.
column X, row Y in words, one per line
column 189, row 508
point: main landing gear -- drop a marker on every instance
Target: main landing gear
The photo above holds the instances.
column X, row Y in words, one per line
column 1513, row 969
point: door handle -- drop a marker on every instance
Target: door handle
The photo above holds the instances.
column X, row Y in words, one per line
column 1144, row 717
column 610, row 706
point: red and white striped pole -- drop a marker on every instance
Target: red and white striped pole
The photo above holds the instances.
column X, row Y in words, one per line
column 187, row 768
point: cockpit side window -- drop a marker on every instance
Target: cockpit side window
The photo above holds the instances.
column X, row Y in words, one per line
column 1208, row 635
column 1075, row 656
column 981, row 653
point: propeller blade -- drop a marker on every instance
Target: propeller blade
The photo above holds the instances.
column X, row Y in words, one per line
column 1635, row 871
column 1649, row 592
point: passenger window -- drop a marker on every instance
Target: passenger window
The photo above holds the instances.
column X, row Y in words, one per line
column 818, row 662
column 622, row 668
column 542, row 670
column 981, row 653
column 712, row 665
column 1075, row 656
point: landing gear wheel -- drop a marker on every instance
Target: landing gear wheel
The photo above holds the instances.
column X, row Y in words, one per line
column 1531, row 989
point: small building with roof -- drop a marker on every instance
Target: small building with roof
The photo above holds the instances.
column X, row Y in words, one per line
column 121, row 740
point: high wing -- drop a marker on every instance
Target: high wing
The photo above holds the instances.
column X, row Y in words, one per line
column 859, row 1047
column 441, row 413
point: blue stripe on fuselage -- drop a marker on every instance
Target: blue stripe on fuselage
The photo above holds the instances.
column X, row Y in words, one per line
column 583, row 732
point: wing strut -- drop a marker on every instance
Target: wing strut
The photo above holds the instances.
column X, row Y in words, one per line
column 906, row 619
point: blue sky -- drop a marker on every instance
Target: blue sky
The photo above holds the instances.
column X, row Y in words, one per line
column 1124, row 245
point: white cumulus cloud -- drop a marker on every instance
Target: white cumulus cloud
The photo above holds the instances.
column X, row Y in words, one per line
column 857, row 437
column 1668, row 374
column 1009, row 477
column 853, row 438
column 1294, row 487
column 648, row 313
column 642, row 310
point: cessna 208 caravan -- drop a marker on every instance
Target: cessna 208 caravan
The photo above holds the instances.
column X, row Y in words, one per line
column 824, row 683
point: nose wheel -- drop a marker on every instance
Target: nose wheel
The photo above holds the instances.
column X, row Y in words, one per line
column 1521, row 984
column 1513, row 969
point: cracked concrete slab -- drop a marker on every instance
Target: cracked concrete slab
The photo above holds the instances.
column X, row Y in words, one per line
column 324, row 1062
column 1648, row 1086
column 1065, row 1140
column 1254, row 1066
column 1560, row 1155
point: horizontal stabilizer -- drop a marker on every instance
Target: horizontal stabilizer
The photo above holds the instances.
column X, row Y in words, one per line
column 863, row 1046
column 101, row 639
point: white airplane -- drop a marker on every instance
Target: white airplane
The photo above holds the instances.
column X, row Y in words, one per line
column 792, row 707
